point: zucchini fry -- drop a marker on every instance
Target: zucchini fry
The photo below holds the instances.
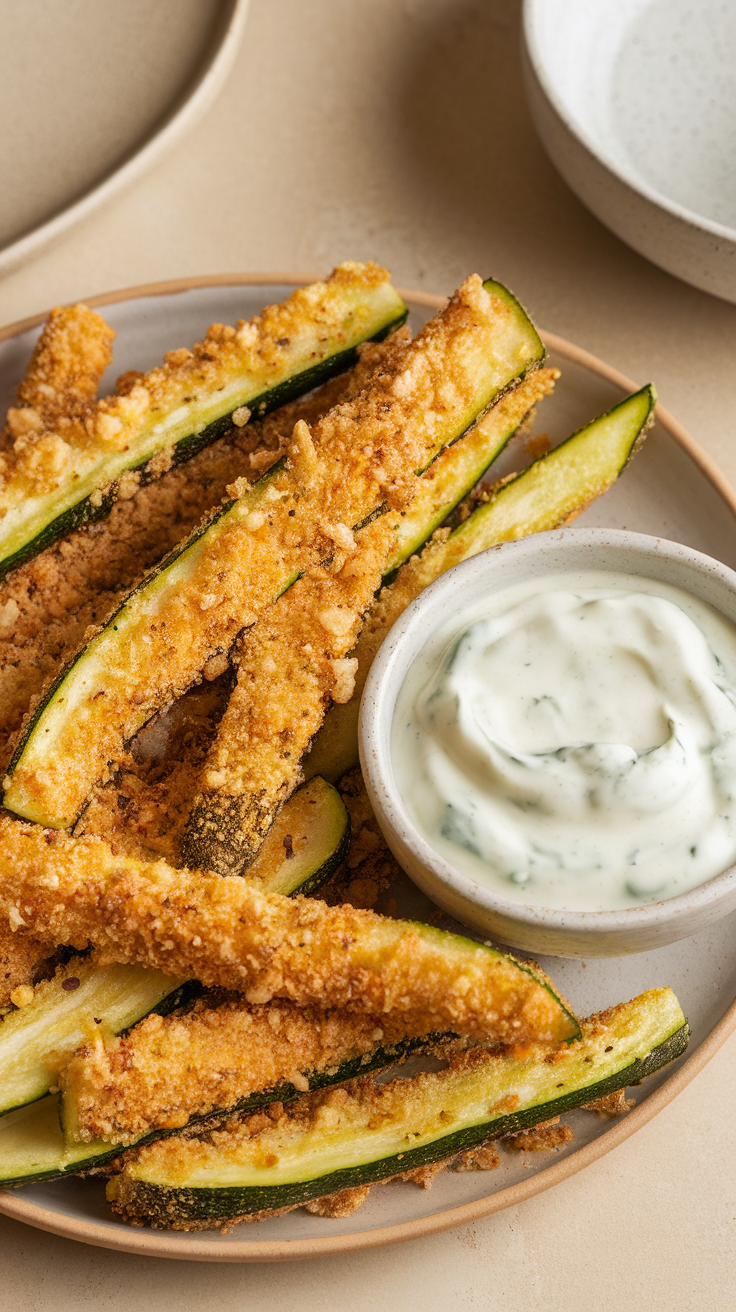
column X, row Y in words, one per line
column 223, row 931
column 361, row 1134
column 172, row 412
column 361, row 456
column 552, row 491
column 170, row 1069
column 61, row 379
column 290, row 666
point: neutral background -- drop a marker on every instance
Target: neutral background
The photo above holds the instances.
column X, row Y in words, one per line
column 397, row 130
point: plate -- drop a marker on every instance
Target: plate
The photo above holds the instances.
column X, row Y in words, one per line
column 672, row 490
column 635, row 102
column 141, row 79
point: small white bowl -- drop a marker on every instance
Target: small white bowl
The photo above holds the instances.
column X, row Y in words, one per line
column 535, row 929
column 635, row 102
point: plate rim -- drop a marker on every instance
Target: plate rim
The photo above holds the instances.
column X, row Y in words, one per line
column 152, row 1243
column 183, row 113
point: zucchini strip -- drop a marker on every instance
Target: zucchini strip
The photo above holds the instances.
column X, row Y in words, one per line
column 170, row 1070
column 175, row 410
column 37, row 1039
column 223, row 930
column 363, row 1134
column 306, row 844
column 459, row 467
column 550, row 492
column 291, row 664
column 62, row 376
column 361, row 456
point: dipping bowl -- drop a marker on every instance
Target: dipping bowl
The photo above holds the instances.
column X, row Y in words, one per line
column 531, row 928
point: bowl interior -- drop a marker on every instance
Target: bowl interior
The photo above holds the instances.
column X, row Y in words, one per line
column 648, row 85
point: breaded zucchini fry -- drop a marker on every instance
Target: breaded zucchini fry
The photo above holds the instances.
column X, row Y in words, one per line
column 173, row 411
column 287, row 674
column 62, row 377
column 362, row 455
column 169, row 1069
column 552, row 491
column 222, row 930
column 291, row 665
column 364, row 1133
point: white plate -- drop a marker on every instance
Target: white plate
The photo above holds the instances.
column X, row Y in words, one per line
column 672, row 490
column 635, row 101
column 93, row 94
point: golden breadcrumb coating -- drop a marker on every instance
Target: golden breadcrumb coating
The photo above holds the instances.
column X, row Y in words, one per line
column 21, row 959
column 291, row 665
column 114, row 423
column 224, row 931
column 168, row 1069
column 59, row 386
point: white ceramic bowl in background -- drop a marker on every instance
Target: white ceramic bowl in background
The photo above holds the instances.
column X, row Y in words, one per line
column 534, row 929
column 635, row 102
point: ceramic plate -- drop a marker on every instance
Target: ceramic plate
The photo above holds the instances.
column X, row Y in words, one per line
column 671, row 490
column 141, row 78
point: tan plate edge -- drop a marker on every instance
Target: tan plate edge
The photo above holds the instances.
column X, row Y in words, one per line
column 157, row 1244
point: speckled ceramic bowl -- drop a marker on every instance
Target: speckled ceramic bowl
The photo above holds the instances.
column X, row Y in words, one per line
column 535, row 929
column 635, row 102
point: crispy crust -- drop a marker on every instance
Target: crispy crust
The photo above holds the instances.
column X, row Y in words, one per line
column 114, row 422
column 290, row 667
column 170, row 1069
column 21, row 960
column 222, row 930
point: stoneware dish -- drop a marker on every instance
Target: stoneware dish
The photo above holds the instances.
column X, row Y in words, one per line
column 673, row 490
column 635, row 102
column 532, row 928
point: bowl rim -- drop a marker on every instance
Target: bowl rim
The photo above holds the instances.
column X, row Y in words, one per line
column 535, row 53
column 381, row 691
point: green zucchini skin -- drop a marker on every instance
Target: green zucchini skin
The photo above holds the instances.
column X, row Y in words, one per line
column 85, row 511
column 146, row 1197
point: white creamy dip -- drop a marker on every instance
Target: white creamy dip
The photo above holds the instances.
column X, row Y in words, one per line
column 572, row 744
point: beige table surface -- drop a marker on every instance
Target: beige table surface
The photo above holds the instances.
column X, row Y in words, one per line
column 397, row 129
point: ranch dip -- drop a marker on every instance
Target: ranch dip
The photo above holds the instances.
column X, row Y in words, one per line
column 572, row 743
